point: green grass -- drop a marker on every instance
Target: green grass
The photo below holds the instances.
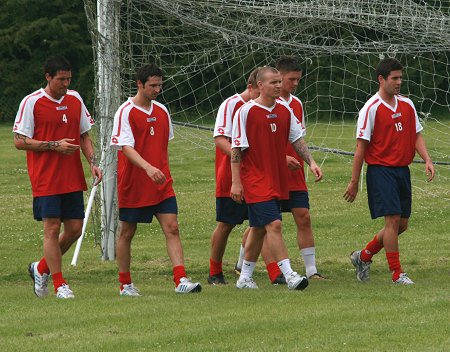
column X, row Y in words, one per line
column 338, row 315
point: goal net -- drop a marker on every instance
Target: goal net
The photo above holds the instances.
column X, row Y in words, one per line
column 207, row 48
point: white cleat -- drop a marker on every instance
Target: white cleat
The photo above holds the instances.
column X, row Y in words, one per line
column 403, row 280
column 40, row 281
column 187, row 286
column 246, row 283
column 130, row 290
column 296, row 282
column 362, row 268
column 64, row 292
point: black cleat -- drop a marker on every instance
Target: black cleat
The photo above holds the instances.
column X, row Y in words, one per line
column 279, row 280
column 217, row 279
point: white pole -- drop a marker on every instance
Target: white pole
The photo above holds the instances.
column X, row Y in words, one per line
column 86, row 218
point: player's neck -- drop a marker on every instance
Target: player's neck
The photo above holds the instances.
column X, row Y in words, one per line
column 387, row 98
column 52, row 94
column 265, row 101
column 245, row 95
column 285, row 95
column 142, row 102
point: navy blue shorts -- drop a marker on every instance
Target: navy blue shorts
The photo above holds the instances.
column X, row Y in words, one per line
column 389, row 191
column 62, row 206
column 263, row 213
column 145, row 214
column 297, row 199
column 230, row 212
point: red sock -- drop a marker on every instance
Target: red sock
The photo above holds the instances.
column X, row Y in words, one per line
column 42, row 267
column 214, row 267
column 178, row 273
column 393, row 259
column 273, row 270
column 124, row 279
column 372, row 248
column 58, row 280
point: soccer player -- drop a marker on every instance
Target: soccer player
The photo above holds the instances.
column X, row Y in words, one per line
column 388, row 135
column 259, row 173
column 228, row 212
column 298, row 202
column 52, row 126
column 142, row 130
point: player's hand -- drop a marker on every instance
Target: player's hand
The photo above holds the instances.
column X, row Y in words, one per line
column 156, row 175
column 351, row 192
column 429, row 170
column 317, row 172
column 292, row 163
column 65, row 146
column 237, row 192
column 97, row 173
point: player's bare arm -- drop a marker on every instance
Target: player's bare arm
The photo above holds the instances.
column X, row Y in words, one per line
column 63, row 146
column 87, row 147
column 358, row 160
column 155, row 174
column 237, row 191
column 302, row 150
column 223, row 144
column 292, row 163
column 421, row 149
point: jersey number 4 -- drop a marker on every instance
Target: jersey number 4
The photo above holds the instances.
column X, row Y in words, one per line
column 64, row 118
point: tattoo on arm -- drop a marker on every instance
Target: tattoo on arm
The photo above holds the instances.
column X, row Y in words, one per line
column 236, row 155
column 302, row 150
column 91, row 158
column 51, row 145
column 19, row 137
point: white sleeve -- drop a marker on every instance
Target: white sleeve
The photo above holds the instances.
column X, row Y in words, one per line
column 224, row 121
column 122, row 134
column 24, row 123
column 366, row 121
column 296, row 130
column 239, row 136
column 86, row 120
column 419, row 126
column 171, row 135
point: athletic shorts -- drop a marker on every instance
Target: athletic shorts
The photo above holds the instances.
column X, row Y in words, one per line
column 145, row 214
column 297, row 199
column 230, row 212
column 263, row 213
column 62, row 206
column 389, row 191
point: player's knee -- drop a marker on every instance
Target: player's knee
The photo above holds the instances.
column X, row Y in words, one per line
column 275, row 226
column 303, row 219
column 171, row 229
column 403, row 226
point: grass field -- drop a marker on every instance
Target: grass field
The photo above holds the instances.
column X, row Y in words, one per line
column 340, row 314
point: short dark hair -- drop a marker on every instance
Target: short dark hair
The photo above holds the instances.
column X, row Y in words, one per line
column 252, row 77
column 386, row 66
column 56, row 63
column 288, row 64
column 147, row 71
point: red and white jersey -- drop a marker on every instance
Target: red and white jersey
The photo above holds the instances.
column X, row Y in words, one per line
column 44, row 118
column 223, row 127
column 296, row 178
column 148, row 132
column 391, row 131
column 262, row 134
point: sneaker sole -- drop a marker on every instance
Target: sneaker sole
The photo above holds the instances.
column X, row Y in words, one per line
column 302, row 285
column 196, row 289
column 31, row 272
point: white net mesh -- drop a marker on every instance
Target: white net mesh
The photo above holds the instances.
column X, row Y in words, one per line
column 207, row 48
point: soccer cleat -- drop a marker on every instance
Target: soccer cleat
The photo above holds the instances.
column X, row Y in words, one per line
column 130, row 290
column 187, row 286
column 296, row 281
column 317, row 277
column 217, row 279
column 279, row 280
column 40, row 281
column 64, row 292
column 362, row 268
column 237, row 270
column 246, row 283
column 403, row 280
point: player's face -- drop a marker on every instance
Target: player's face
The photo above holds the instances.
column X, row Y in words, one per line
column 391, row 85
column 59, row 83
column 290, row 81
column 152, row 87
column 270, row 86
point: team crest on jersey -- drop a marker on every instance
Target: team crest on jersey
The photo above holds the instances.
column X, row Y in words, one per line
column 361, row 134
column 237, row 142
column 272, row 116
column 62, row 107
column 397, row 115
column 220, row 130
column 151, row 119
